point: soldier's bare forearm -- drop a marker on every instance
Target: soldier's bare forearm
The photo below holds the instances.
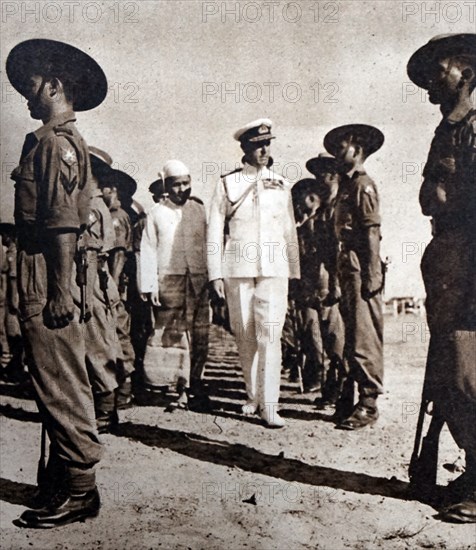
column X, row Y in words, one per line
column 371, row 265
column 60, row 250
column 117, row 261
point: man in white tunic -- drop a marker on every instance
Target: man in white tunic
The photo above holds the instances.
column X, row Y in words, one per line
column 173, row 275
column 252, row 252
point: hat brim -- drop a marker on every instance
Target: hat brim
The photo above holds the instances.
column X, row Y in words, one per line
column 39, row 55
column 306, row 185
column 121, row 181
column 370, row 137
column 264, row 137
column 99, row 167
column 157, row 187
column 319, row 165
column 422, row 62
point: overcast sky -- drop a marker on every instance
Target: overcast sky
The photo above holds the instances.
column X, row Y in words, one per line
column 184, row 75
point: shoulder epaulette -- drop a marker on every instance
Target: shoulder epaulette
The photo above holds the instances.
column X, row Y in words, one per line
column 62, row 131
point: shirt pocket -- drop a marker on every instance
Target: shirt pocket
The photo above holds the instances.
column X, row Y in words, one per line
column 25, row 192
column 273, row 203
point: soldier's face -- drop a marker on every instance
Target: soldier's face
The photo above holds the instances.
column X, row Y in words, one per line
column 346, row 153
column 109, row 194
column 179, row 189
column 444, row 82
column 258, row 153
column 332, row 184
column 311, row 202
column 37, row 98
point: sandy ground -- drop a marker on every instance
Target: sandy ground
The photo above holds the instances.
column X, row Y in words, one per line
column 186, row 480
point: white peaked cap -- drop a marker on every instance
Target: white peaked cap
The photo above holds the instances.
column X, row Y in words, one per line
column 175, row 168
column 262, row 125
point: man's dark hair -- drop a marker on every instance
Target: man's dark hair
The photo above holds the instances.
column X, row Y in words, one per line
column 56, row 70
column 467, row 62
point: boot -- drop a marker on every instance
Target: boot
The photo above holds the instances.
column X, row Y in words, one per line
column 124, row 394
column 106, row 414
column 345, row 403
column 63, row 508
column 364, row 414
column 461, row 512
column 332, row 388
column 199, row 401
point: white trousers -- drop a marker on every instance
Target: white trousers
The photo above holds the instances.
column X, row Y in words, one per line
column 257, row 308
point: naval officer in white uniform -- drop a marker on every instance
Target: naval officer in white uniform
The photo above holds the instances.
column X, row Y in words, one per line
column 252, row 252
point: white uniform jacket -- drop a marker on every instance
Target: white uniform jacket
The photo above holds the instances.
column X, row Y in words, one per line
column 173, row 242
column 262, row 239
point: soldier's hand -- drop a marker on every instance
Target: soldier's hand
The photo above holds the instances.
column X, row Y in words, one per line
column 333, row 297
column 154, row 298
column 218, row 289
column 59, row 310
column 368, row 292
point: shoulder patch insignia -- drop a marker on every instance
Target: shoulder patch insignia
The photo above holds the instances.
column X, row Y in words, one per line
column 68, row 155
column 369, row 190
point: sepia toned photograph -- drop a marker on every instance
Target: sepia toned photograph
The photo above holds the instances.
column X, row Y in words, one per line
column 237, row 274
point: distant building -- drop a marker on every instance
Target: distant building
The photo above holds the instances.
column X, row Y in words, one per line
column 405, row 305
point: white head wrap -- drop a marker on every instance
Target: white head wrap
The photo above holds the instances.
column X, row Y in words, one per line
column 175, row 168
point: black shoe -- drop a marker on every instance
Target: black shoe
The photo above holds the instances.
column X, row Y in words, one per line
column 200, row 403
column 64, row 508
column 107, row 422
column 462, row 512
column 361, row 417
column 344, row 409
column 124, row 395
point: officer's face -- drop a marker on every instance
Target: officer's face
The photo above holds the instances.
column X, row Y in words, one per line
column 444, row 82
column 258, row 153
column 179, row 189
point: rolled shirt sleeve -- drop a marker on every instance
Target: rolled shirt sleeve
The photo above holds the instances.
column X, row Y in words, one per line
column 63, row 197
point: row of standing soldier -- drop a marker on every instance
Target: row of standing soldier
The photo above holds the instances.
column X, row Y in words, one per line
column 53, row 202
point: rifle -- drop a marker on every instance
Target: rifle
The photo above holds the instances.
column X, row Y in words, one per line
column 424, row 461
column 41, row 475
column 82, row 279
column 300, row 357
column 103, row 283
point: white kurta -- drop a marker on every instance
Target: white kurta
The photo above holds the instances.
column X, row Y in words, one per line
column 173, row 242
